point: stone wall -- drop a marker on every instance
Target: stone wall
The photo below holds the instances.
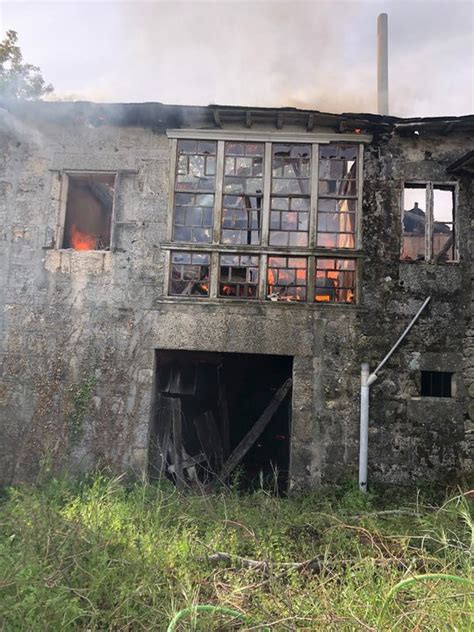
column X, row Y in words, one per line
column 79, row 329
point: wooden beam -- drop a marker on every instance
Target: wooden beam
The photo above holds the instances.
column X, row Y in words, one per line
column 279, row 122
column 189, row 461
column 163, row 421
column 209, row 437
column 224, row 410
column 177, row 440
column 248, row 119
column 254, row 432
column 310, row 123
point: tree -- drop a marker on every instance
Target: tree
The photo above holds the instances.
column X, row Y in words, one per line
column 17, row 79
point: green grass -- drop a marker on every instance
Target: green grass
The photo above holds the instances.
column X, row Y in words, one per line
column 103, row 555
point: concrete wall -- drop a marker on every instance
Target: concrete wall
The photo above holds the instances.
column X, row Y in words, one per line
column 79, row 329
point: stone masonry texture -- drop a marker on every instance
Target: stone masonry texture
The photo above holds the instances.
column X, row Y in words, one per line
column 79, row 330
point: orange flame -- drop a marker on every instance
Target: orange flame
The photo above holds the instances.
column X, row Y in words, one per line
column 82, row 241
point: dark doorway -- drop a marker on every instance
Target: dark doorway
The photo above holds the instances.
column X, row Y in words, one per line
column 231, row 414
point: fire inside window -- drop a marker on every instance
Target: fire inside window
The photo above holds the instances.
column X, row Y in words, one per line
column 238, row 276
column 428, row 222
column 337, row 201
column 89, row 211
column 189, row 274
column 263, row 239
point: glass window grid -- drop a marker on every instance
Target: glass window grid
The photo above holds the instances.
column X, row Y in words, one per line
column 335, row 280
column 290, row 200
column 287, row 277
column 189, row 273
column 194, row 197
column 238, row 276
column 314, row 211
column 337, row 196
column 242, row 193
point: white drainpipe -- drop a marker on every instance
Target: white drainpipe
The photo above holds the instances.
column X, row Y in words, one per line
column 366, row 380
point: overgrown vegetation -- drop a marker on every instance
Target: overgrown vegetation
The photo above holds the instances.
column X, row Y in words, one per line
column 17, row 79
column 101, row 555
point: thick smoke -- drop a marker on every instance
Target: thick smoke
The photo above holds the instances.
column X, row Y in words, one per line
column 311, row 54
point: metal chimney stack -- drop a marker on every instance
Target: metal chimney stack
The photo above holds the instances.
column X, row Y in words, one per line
column 382, row 64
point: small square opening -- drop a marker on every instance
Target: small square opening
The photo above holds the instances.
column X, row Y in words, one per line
column 436, row 384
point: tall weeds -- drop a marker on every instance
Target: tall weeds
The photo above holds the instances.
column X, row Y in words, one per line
column 103, row 555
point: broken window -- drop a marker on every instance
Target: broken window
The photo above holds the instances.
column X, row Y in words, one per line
column 89, row 205
column 428, row 222
column 238, row 276
column 263, row 208
column 337, row 201
column 189, row 274
column 436, row 384
column 286, row 278
column 194, row 191
column 243, row 193
column 335, row 280
column 290, row 200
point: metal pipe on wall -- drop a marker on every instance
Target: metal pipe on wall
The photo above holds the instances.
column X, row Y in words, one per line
column 366, row 380
column 364, row 426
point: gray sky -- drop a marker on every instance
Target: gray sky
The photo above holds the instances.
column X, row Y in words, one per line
column 312, row 54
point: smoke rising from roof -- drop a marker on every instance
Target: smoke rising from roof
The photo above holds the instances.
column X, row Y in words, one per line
column 319, row 55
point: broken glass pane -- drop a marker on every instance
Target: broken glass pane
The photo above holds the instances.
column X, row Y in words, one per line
column 286, row 278
column 189, row 274
column 196, row 166
column 289, row 228
column 238, row 276
column 241, row 219
column 336, row 223
column 338, row 169
column 335, row 280
column 196, row 212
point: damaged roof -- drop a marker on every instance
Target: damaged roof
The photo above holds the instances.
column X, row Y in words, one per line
column 163, row 116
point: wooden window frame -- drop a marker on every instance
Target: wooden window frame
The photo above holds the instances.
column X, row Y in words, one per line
column 429, row 186
column 63, row 177
column 216, row 248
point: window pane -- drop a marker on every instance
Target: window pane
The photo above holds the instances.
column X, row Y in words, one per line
column 189, row 274
column 336, row 223
column 238, row 276
column 286, row 278
column 196, row 166
column 414, row 222
column 193, row 217
column 335, row 280
column 443, row 223
column 242, row 199
column 290, row 201
column 338, row 169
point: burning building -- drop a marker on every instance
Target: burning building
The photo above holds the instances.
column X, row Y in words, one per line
column 191, row 292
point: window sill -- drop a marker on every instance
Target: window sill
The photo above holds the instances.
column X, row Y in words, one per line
column 438, row 264
column 221, row 302
column 317, row 251
column 70, row 261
